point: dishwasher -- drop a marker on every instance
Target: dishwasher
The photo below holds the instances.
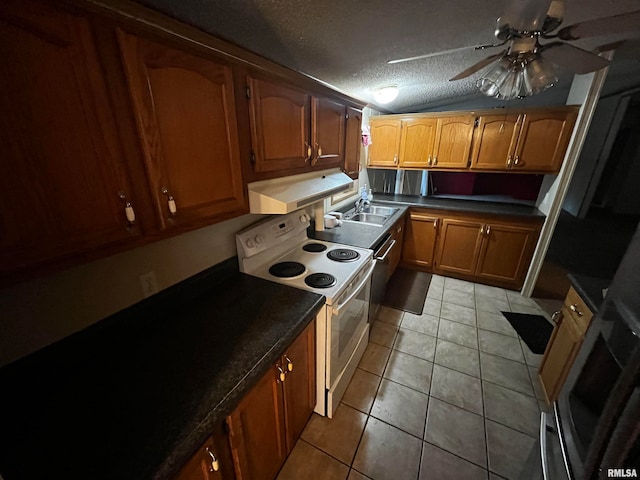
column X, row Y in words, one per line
column 381, row 272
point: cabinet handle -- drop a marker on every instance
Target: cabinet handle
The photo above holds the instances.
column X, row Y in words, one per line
column 574, row 309
column 516, row 161
column 488, row 229
column 399, row 229
column 555, row 315
column 395, row 159
column 289, row 364
column 215, row 465
column 309, row 152
column 429, row 160
column 128, row 209
column 171, row 202
column 435, row 160
column 509, row 160
column 282, row 376
column 318, row 150
column 435, row 223
column 482, row 230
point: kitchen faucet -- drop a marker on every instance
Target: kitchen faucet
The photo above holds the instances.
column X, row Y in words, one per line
column 361, row 204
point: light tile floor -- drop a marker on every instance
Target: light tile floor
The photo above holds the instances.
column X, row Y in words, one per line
column 449, row 394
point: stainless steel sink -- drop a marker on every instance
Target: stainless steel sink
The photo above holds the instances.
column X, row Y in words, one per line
column 375, row 209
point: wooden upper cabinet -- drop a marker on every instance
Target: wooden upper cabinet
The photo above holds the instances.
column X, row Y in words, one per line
column 543, row 141
column 385, row 142
column 328, row 129
column 63, row 168
column 420, row 239
column 494, row 142
column 453, row 142
column 417, row 142
column 506, row 252
column 353, row 142
column 459, row 246
column 185, row 113
column 280, row 126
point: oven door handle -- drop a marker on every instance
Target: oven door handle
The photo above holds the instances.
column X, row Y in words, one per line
column 367, row 277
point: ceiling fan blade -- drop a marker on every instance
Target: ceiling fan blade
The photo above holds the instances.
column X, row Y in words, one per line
column 573, row 58
column 429, row 55
column 478, row 66
column 626, row 22
column 525, row 15
column 554, row 15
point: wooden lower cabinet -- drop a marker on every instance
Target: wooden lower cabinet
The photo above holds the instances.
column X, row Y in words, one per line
column 490, row 249
column 566, row 339
column 212, row 461
column 266, row 424
column 420, row 236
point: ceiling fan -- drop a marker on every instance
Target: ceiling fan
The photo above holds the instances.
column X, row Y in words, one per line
column 526, row 67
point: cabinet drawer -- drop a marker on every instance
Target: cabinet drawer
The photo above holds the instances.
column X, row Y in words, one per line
column 578, row 310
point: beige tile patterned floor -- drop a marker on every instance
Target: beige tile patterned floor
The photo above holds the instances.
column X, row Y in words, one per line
column 449, row 394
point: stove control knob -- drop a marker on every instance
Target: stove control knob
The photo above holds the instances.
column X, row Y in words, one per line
column 259, row 239
column 250, row 243
column 304, row 218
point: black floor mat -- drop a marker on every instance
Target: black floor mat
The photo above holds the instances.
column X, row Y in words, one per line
column 407, row 290
column 535, row 330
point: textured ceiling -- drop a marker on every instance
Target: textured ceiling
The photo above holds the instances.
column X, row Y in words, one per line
column 347, row 43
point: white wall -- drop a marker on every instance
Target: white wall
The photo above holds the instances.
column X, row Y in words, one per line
column 42, row 311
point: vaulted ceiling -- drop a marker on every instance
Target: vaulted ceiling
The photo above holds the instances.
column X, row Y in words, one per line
column 347, row 43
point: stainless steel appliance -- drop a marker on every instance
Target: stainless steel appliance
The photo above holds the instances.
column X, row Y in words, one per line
column 381, row 274
column 594, row 429
column 279, row 250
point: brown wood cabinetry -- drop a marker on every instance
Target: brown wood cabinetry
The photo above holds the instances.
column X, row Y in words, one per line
column 421, row 232
column 292, row 130
column 453, row 142
column 483, row 248
column 63, row 165
column 417, row 142
column 353, row 142
column 385, row 141
column 185, row 113
column 395, row 254
column 566, row 339
column 266, row 424
column 529, row 142
column 212, row 461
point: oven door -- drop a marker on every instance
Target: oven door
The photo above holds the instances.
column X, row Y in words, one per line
column 347, row 335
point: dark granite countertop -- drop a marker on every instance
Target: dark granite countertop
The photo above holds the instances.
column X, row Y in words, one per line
column 589, row 289
column 133, row 396
column 461, row 205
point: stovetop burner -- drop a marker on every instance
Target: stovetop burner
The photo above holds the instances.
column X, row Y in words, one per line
column 314, row 247
column 320, row 280
column 343, row 255
column 287, row 269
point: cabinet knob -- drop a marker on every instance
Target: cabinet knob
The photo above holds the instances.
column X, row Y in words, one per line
column 171, row 202
column 574, row 309
column 482, row 230
column 399, row 229
column 215, row 465
column 509, row 160
column 395, row 159
column 128, row 208
column 488, row 229
column 282, row 375
column 516, row 160
column 309, row 152
column 289, row 363
column 318, row 151
column 435, row 160
column 429, row 160
column 435, row 223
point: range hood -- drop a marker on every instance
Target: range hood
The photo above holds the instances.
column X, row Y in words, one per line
column 287, row 194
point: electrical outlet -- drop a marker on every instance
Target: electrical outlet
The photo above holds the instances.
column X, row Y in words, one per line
column 149, row 284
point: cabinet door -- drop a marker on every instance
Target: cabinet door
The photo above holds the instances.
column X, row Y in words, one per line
column 505, row 254
column 328, row 120
column 300, row 383
column 353, row 142
column 212, row 461
column 459, row 246
column 543, row 141
column 256, row 431
column 185, row 113
column 62, row 163
column 417, row 141
column 453, row 142
column 420, row 239
column 385, row 142
column 494, row 142
column 280, row 129
column 561, row 351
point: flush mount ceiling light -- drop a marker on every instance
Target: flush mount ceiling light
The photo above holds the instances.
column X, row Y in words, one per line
column 386, row 94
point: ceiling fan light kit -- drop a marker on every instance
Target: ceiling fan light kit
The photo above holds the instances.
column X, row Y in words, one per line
column 386, row 94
